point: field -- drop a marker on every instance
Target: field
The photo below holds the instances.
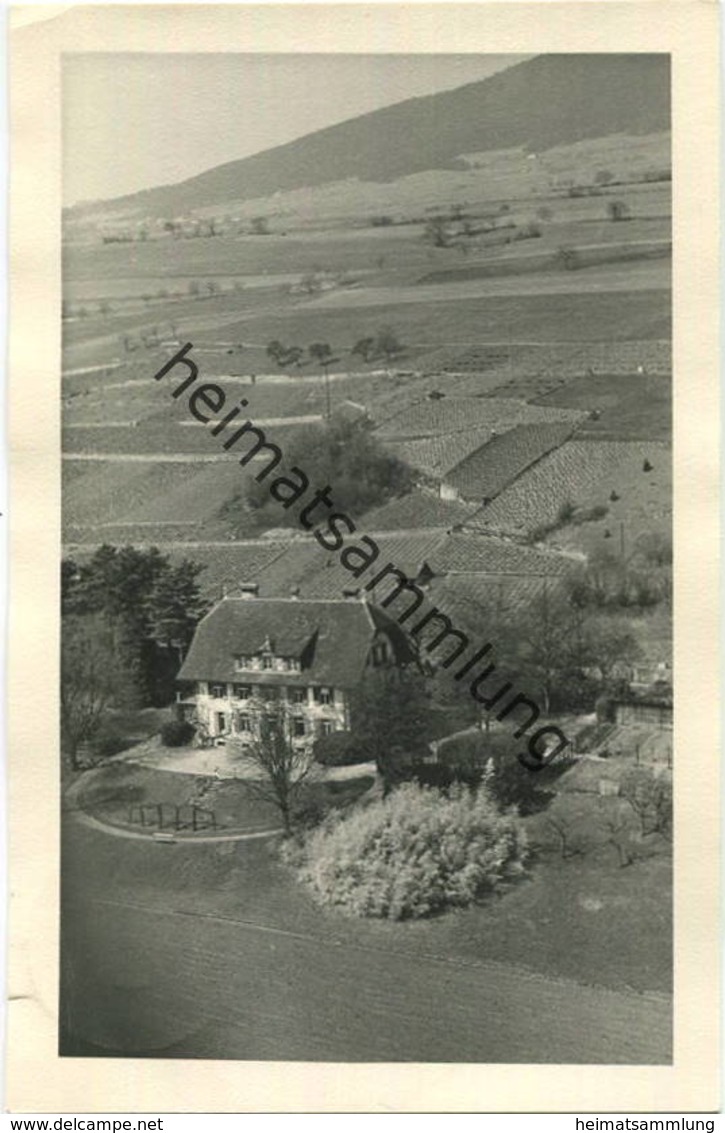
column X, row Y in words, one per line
column 568, row 343
column 587, row 473
column 152, row 939
column 113, row 793
column 631, row 407
column 109, row 493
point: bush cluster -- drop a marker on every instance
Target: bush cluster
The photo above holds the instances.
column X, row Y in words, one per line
column 177, row 733
column 414, row 853
column 337, row 750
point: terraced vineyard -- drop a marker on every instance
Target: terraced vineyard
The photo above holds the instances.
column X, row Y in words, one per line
column 586, row 473
column 115, row 493
column 434, row 417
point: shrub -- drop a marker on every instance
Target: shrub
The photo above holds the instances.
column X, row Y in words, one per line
column 109, row 743
column 177, row 733
column 604, row 708
column 414, row 853
column 567, row 258
column 528, row 232
column 337, row 750
column 618, row 210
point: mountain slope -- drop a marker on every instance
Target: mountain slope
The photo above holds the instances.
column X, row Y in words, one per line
column 547, row 101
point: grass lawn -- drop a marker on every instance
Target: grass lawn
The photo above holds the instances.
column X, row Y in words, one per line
column 582, row 917
column 114, row 792
column 631, row 406
column 569, row 316
column 214, row 951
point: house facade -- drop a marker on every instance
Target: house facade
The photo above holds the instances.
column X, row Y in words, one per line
column 300, row 657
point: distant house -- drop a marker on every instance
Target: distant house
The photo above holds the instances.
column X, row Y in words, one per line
column 250, row 655
column 651, row 707
column 644, row 673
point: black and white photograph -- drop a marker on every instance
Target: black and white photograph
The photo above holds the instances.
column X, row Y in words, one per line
column 366, row 688
column 368, row 586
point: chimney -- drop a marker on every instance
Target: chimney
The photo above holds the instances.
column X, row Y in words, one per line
column 249, row 589
column 294, row 592
column 351, row 594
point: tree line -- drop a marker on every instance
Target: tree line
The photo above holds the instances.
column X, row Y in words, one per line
column 385, row 343
column 127, row 618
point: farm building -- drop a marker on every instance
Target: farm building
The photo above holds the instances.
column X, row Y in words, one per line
column 644, row 673
column 652, row 707
column 304, row 657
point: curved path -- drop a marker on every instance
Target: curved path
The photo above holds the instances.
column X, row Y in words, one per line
column 73, row 807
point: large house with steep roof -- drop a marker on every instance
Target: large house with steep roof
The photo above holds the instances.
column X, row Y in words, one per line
column 304, row 657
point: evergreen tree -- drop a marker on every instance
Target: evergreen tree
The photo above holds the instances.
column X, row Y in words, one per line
column 390, row 719
column 152, row 606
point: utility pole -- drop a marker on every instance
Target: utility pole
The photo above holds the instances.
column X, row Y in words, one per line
column 621, row 540
column 327, row 393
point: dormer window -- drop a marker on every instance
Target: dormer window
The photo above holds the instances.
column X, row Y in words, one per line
column 268, row 662
column 242, row 662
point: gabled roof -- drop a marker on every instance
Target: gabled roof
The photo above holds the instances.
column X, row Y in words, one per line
column 335, row 637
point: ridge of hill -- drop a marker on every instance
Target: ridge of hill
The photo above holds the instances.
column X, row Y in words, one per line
column 535, row 105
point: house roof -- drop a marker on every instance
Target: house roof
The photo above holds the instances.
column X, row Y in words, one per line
column 336, row 635
column 491, row 468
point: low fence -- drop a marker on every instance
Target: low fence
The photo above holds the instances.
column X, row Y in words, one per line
column 169, row 816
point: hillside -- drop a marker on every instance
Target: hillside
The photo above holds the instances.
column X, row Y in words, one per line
column 544, row 102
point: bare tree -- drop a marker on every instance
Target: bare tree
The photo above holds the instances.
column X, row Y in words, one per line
column 567, row 258
column 260, row 226
column 388, row 343
column 310, row 283
column 321, row 352
column 619, row 835
column 92, row 680
column 437, row 232
column 284, row 768
column 563, row 829
column 650, row 797
column 365, row 348
column 275, row 350
column 618, row 210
